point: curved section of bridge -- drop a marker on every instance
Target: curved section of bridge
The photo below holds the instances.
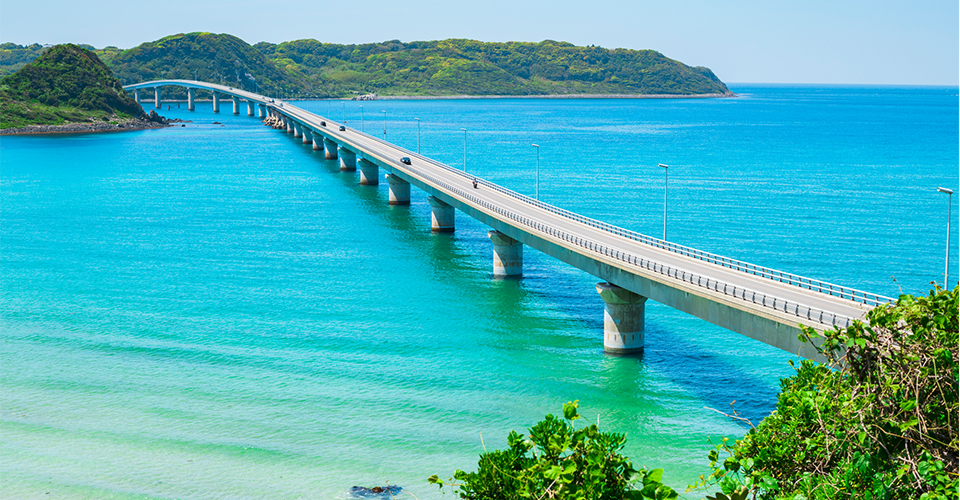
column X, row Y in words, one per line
column 759, row 302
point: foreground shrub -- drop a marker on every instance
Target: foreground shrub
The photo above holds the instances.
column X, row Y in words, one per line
column 558, row 461
column 878, row 422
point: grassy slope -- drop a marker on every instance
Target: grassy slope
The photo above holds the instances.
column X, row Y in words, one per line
column 66, row 83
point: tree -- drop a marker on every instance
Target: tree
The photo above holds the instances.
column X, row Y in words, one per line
column 558, row 461
column 879, row 421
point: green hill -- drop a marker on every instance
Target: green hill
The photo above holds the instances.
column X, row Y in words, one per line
column 217, row 58
column 429, row 68
column 65, row 83
column 458, row 66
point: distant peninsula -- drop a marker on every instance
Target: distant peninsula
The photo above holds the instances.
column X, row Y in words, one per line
column 68, row 89
column 444, row 68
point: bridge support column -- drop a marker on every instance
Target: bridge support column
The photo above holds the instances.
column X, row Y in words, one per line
column 216, row 102
column 190, row 98
column 441, row 216
column 369, row 172
column 250, row 105
column 399, row 190
column 317, row 142
column 507, row 255
column 622, row 319
column 290, row 124
column 261, row 111
column 297, row 130
column 348, row 160
column 329, row 149
column 156, row 97
column 236, row 106
column 136, row 95
column 307, row 135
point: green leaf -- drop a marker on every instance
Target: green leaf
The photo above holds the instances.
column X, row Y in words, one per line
column 654, row 476
column 570, row 410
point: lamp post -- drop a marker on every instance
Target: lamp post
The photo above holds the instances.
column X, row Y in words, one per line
column 666, row 169
column 538, row 170
column 464, row 149
column 343, row 112
column 361, row 118
column 384, row 124
column 946, row 267
column 418, row 135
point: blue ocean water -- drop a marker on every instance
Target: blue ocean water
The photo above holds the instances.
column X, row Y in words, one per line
column 215, row 311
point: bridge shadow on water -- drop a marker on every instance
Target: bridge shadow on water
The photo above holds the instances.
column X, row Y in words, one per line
column 462, row 260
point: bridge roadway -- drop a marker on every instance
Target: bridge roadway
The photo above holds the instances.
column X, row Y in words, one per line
column 755, row 301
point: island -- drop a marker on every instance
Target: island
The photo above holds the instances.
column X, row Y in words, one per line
column 68, row 88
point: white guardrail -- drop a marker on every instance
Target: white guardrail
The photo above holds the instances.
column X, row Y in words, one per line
column 772, row 302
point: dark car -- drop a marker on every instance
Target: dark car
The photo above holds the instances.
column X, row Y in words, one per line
column 342, row 128
column 323, row 124
column 405, row 160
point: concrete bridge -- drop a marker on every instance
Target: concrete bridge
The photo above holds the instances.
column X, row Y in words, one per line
column 759, row 302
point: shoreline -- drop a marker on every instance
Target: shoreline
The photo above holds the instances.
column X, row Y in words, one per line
column 81, row 128
column 554, row 96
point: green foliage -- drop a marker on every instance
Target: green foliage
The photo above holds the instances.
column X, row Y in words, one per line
column 66, row 82
column 438, row 68
column 459, row 66
column 13, row 56
column 556, row 460
column 880, row 422
column 217, row 58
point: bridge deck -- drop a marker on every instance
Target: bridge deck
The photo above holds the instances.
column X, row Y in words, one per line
column 660, row 270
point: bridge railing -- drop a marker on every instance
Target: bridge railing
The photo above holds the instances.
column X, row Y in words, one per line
column 765, row 300
column 769, row 301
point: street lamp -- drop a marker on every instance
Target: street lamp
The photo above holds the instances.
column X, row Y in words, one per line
column 384, row 124
column 343, row 112
column 361, row 117
column 464, row 149
column 538, row 170
column 666, row 169
column 418, row 135
column 946, row 267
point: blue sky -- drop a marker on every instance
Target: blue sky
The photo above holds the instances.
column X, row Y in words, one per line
column 770, row 41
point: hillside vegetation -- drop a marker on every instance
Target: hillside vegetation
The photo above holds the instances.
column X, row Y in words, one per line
column 65, row 83
column 310, row 68
column 458, row 66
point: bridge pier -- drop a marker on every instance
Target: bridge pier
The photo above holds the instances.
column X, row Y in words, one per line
column 317, row 141
column 507, row 255
column 297, row 130
column 216, row 102
column 261, row 111
column 236, row 105
column 250, row 105
column 348, row 160
column 190, row 97
column 156, row 97
column 307, row 135
column 369, row 172
column 623, row 313
column 329, row 149
column 441, row 216
column 399, row 190
column 290, row 124
column 136, row 95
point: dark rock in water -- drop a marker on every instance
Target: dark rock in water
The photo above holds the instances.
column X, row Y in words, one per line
column 216, row 123
column 375, row 492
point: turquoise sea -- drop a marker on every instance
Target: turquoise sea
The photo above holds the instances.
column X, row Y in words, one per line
column 214, row 311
